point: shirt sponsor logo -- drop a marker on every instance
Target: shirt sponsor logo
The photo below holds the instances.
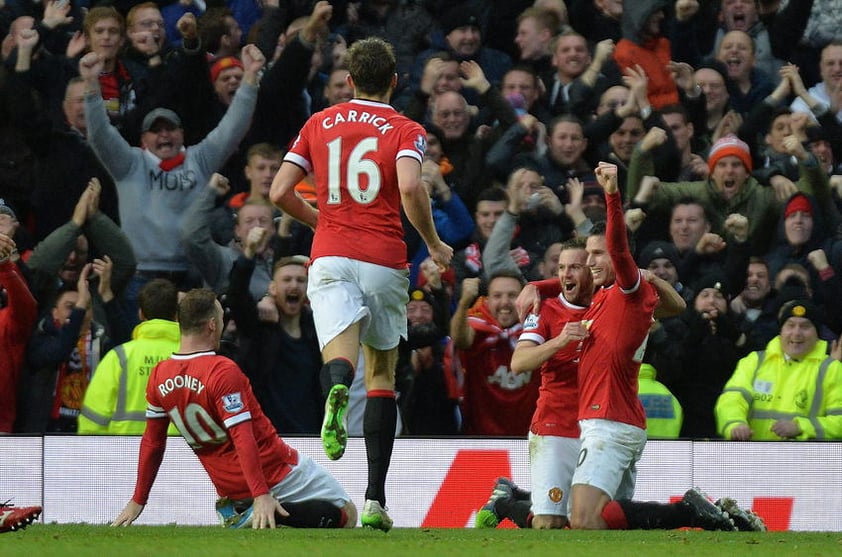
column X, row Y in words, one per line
column 508, row 380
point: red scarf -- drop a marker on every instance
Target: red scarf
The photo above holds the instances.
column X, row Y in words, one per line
column 481, row 319
column 74, row 374
column 174, row 162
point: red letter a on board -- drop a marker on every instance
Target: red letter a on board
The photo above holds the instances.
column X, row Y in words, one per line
column 466, row 487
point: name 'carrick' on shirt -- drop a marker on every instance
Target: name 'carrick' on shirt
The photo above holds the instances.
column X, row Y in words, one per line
column 352, row 148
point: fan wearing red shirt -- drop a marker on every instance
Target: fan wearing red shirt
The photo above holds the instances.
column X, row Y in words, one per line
column 210, row 401
column 366, row 160
column 18, row 314
column 485, row 331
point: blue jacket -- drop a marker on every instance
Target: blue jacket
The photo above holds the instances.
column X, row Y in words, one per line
column 454, row 224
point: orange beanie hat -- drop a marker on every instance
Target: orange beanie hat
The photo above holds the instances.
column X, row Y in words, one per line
column 730, row 146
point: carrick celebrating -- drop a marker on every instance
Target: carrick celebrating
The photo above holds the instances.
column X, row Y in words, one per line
column 366, row 159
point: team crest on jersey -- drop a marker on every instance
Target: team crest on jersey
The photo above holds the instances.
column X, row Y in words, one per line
column 531, row 321
column 232, row 402
column 421, row 143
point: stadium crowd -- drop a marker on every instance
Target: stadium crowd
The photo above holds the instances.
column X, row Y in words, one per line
column 139, row 142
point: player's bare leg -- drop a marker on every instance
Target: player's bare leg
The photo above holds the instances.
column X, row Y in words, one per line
column 548, row 522
column 379, row 422
column 694, row 510
column 351, row 512
column 587, row 504
column 339, row 355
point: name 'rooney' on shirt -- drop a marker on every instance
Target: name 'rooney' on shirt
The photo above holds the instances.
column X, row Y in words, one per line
column 181, row 382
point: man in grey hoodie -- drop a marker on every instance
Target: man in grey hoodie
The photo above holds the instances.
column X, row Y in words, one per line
column 158, row 182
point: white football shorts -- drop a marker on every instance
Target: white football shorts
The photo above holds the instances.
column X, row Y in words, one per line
column 552, row 461
column 308, row 481
column 343, row 291
column 608, row 456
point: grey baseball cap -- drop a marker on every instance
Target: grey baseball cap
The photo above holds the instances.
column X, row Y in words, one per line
column 160, row 114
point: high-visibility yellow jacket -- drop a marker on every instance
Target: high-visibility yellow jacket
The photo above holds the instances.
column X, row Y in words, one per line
column 664, row 414
column 767, row 387
column 115, row 402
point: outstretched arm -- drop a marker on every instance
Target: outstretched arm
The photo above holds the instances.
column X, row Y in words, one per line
column 529, row 299
column 204, row 253
column 114, row 152
column 109, row 239
column 625, row 268
column 152, row 447
column 495, row 255
column 265, row 505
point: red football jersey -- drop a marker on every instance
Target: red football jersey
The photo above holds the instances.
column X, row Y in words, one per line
column 496, row 401
column 206, row 395
column 558, row 396
column 618, row 328
column 352, row 148
column 611, row 354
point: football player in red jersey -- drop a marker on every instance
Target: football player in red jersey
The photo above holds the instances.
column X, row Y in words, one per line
column 366, row 158
column 618, row 326
column 485, row 330
column 210, row 401
column 551, row 342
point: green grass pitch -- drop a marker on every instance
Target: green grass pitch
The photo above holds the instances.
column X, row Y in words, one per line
column 161, row 541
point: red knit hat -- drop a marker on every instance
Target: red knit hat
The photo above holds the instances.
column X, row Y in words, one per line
column 730, row 146
column 798, row 202
column 223, row 64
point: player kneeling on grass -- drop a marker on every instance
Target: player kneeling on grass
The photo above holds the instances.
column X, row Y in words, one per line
column 262, row 482
column 619, row 317
column 694, row 510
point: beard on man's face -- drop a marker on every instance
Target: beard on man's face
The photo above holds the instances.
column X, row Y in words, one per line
column 423, row 334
